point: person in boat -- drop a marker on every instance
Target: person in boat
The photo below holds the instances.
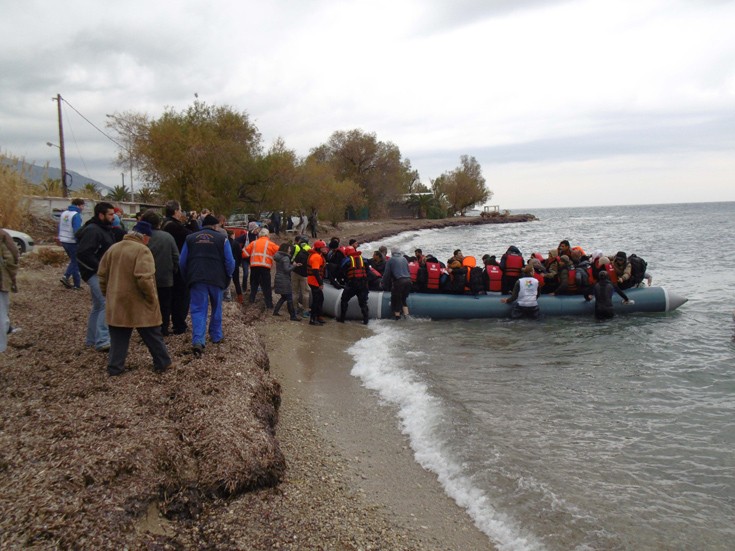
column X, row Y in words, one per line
column 623, row 270
column 397, row 280
column 511, row 263
column 567, row 285
column 551, row 275
column 524, row 296
column 378, row 262
column 420, row 258
column 564, row 248
column 384, row 251
column 603, row 291
column 457, row 273
column 582, row 270
column 492, row 275
column 354, row 274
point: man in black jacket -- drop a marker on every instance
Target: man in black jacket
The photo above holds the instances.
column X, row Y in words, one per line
column 174, row 224
column 93, row 240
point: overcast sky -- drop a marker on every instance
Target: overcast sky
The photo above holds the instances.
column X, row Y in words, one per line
column 577, row 102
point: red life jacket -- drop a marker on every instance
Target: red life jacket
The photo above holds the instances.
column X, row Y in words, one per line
column 610, row 269
column 356, row 271
column 572, row 280
column 494, row 278
column 513, row 265
column 540, row 278
column 413, row 270
column 434, row 273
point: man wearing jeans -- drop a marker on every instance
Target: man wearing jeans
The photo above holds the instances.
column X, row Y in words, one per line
column 93, row 240
column 206, row 264
column 69, row 224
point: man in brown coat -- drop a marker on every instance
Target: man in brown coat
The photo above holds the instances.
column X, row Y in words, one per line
column 127, row 275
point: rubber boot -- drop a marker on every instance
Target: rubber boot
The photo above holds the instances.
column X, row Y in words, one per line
column 292, row 312
column 343, row 312
column 365, row 314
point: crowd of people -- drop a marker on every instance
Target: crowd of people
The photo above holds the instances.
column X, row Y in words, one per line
column 177, row 269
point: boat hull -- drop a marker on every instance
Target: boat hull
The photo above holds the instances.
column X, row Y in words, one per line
column 445, row 306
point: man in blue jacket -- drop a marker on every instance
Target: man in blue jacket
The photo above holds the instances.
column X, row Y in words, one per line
column 69, row 223
column 206, row 264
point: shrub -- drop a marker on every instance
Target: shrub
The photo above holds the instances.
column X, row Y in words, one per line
column 13, row 187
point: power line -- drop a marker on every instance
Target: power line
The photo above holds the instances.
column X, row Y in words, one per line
column 95, row 126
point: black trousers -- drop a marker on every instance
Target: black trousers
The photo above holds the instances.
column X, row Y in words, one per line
column 165, row 296
column 120, row 341
column 179, row 304
column 261, row 277
column 317, row 302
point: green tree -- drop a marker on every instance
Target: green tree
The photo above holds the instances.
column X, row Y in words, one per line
column 276, row 174
column 203, row 156
column 377, row 167
column 119, row 193
column 91, row 191
column 463, row 187
column 147, row 194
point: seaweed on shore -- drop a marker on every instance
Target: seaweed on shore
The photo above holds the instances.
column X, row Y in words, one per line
column 84, row 457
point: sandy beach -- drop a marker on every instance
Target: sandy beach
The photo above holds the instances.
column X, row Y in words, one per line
column 362, row 436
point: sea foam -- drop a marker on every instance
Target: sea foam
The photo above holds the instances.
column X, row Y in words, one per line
column 380, row 365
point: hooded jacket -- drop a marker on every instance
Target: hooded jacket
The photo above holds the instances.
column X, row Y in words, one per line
column 282, row 285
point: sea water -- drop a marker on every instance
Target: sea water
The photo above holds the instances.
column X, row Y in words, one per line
column 567, row 433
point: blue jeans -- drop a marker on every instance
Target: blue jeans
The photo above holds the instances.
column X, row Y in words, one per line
column 73, row 268
column 202, row 295
column 97, row 333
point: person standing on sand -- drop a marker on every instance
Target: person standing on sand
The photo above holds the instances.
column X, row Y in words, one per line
column 206, row 263
column 260, row 255
column 127, row 276
column 69, row 223
column 316, row 264
column 298, row 275
column 94, row 238
column 8, row 271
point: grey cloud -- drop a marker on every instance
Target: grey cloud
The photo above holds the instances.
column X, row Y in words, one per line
column 633, row 135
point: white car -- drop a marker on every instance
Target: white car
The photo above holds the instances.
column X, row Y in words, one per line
column 23, row 241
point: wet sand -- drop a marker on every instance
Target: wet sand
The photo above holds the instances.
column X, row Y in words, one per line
column 313, row 368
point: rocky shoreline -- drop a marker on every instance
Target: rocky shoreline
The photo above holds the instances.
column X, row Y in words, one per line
column 205, row 456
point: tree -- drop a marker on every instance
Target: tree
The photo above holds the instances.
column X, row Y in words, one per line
column 377, row 167
column 119, row 193
column 128, row 127
column 318, row 189
column 91, row 191
column 204, row 156
column 462, row 188
column 147, row 194
column 276, row 174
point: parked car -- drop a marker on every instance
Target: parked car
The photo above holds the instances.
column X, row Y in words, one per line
column 23, row 241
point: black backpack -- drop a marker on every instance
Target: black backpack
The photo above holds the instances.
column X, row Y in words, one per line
column 477, row 283
column 638, row 268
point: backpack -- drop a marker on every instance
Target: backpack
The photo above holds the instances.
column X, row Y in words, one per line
column 638, row 268
column 477, row 285
column 302, row 257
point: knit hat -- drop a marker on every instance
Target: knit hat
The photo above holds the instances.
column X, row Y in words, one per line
column 553, row 252
column 253, row 226
column 264, row 232
column 143, row 227
column 210, row 220
column 621, row 255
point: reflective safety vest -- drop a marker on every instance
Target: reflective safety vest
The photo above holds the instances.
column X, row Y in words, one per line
column 356, row 271
column 260, row 252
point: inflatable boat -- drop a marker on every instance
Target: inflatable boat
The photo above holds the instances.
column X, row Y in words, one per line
column 446, row 306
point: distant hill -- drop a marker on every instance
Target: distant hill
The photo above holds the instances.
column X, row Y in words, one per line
column 35, row 175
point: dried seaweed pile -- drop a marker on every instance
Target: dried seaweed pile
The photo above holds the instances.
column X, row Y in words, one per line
column 84, row 457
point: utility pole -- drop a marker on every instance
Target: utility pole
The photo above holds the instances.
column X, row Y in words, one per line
column 64, row 188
